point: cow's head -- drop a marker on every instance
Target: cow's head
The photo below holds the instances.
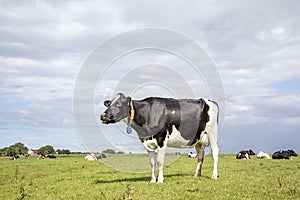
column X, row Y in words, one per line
column 292, row 153
column 117, row 109
column 251, row 152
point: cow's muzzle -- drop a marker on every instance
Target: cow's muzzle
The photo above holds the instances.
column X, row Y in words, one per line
column 106, row 119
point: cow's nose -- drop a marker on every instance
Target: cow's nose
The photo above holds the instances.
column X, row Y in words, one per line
column 103, row 117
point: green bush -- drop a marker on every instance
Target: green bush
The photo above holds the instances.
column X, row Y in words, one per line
column 48, row 149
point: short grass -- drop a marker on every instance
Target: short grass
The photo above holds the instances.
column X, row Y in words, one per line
column 72, row 177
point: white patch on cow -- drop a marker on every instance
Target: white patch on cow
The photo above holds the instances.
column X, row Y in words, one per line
column 247, row 156
column 173, row 112
column 125, row 120
column 204, row 140
column 176, row 140
column 150, row 144
column 213, row 116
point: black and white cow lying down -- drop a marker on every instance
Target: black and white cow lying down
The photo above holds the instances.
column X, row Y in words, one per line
column 162, row 122
column 284, row 154
column 245, row 154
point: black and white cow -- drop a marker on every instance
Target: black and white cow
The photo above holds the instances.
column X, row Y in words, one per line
column 242, row 156
column 162, row 122
column 245, row 154
column 284, row 154
column 250, row 152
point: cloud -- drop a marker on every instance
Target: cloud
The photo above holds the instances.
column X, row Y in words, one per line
column 54, row 28
column 255, row 46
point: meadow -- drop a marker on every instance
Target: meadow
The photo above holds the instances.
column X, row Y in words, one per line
column 72, row 177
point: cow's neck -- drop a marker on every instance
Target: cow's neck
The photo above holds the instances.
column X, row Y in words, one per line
column 138, row 116
column 139, row 123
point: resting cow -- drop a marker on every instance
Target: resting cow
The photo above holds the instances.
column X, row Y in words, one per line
column 249, row 152
column 245, row 154
column 242, row 156
column 284, row 154
column 162, row 122
column 192, row 155
column 263, row 155
column 94, row 156
column 42, row 156
column 51, row 156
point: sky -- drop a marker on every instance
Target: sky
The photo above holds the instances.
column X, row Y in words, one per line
column 254, row 45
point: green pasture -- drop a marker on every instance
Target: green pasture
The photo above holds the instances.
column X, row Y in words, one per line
column 72, row 177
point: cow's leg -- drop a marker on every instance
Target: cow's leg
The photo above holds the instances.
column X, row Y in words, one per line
column 212, row 133
column 200, row 155
column 160, row 163
column 213, row 141
column 215, row 153
column 153, row 165
column 247, row 156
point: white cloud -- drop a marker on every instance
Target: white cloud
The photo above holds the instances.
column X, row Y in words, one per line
column 254, row 44
column 278, row 33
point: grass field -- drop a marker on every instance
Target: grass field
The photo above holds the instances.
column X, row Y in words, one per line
column 72, row 177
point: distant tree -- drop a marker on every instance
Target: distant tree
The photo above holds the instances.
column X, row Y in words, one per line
column 48, row 149
column 16, row 149
column 63, row 151
column 110, row 151
column 66, row 151
column 120, row 152
column 10, row 151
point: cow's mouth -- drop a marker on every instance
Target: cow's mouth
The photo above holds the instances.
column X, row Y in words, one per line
column 108, row 121
column 104, row 122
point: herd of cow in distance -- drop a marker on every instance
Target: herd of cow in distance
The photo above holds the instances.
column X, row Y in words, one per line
column 245, row 154
column 276, row 155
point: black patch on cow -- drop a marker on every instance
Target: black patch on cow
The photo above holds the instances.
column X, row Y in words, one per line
column 203, row 119
column 155, row 118
column 161, row 137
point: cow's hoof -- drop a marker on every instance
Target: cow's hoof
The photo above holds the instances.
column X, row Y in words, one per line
column 160, row 181
column 197, row 175
column 214, row 177
column 153, row 181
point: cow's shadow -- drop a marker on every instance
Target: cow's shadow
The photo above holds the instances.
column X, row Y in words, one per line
column 140, row 179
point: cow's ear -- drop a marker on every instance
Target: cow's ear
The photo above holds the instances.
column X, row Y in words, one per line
column 107, row 103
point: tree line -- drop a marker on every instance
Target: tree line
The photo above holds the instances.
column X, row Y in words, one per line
column 20, row 149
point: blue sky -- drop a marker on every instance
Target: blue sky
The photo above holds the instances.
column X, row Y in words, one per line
column 255, row 46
